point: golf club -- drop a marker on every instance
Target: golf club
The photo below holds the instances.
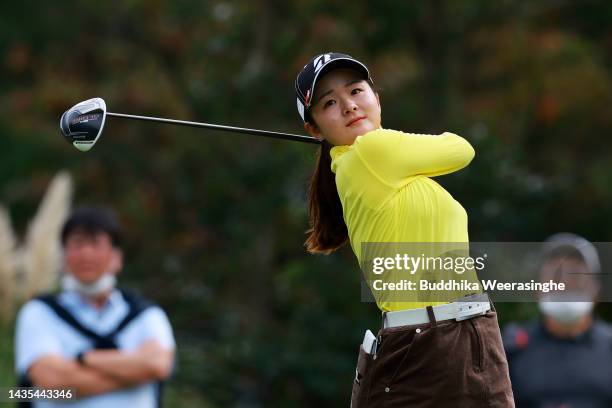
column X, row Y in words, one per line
column 82, row 125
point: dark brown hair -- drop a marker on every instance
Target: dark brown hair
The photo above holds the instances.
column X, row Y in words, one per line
column 327, row 231
column 92, row 220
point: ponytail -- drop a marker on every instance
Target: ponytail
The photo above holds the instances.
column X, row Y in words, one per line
column 327, row 231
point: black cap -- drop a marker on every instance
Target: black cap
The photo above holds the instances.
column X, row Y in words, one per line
column 320, row 64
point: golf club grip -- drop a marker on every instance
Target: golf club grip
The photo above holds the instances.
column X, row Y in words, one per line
column 266, row 133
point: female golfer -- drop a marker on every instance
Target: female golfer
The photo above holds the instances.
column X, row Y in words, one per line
column 374, row 185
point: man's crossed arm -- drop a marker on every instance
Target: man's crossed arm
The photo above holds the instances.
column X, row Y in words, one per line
column 104, row 370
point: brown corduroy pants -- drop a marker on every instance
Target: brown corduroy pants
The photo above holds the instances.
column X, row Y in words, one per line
column 437, row 364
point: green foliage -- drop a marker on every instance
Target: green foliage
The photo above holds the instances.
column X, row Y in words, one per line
column 7, row 377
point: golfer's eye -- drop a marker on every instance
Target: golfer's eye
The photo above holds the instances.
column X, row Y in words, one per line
column 328, row 103
column 356, row 91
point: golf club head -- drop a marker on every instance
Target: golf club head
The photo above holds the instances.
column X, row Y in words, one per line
column 82, row 124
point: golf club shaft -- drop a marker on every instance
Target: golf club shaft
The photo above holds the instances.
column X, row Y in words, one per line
column 266, row 133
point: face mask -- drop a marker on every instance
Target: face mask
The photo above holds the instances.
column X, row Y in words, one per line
column 105, row 283
column 564, row 312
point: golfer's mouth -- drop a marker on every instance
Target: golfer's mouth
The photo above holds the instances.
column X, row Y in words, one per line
column 355, row 121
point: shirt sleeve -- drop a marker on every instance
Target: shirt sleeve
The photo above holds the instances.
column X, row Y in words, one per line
column 35, row 335
column 156, row 326
column 394, row 156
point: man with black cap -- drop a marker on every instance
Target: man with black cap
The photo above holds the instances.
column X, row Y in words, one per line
column 109, row 346
column 564, row 360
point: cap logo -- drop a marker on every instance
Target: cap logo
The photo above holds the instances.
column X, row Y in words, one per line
column 307, row 97
column 320, row 61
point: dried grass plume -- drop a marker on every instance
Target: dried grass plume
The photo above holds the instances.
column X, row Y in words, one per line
column 34, row 267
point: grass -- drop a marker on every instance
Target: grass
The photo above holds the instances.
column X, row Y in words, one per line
column 7, row 375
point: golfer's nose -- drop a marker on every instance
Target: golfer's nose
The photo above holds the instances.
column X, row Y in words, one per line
column 349, row 106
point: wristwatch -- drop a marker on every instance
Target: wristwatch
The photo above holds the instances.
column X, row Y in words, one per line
column 80, row 358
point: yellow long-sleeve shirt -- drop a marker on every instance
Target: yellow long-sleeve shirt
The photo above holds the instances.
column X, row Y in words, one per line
column 387, row 194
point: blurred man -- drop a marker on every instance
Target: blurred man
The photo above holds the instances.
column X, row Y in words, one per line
column 111, row 347
column 564, row 360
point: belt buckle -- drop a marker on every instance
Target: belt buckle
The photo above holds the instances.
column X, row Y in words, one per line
column 467, row 310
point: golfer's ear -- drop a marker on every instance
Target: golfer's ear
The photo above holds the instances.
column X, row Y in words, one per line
column 313, row 130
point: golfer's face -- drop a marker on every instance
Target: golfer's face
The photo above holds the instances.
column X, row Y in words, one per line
column 89, row 256
column 344, row 107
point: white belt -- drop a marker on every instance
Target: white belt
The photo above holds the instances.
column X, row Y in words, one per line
column 466, row 308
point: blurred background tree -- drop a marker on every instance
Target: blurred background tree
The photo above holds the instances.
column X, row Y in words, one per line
column 215, row 222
